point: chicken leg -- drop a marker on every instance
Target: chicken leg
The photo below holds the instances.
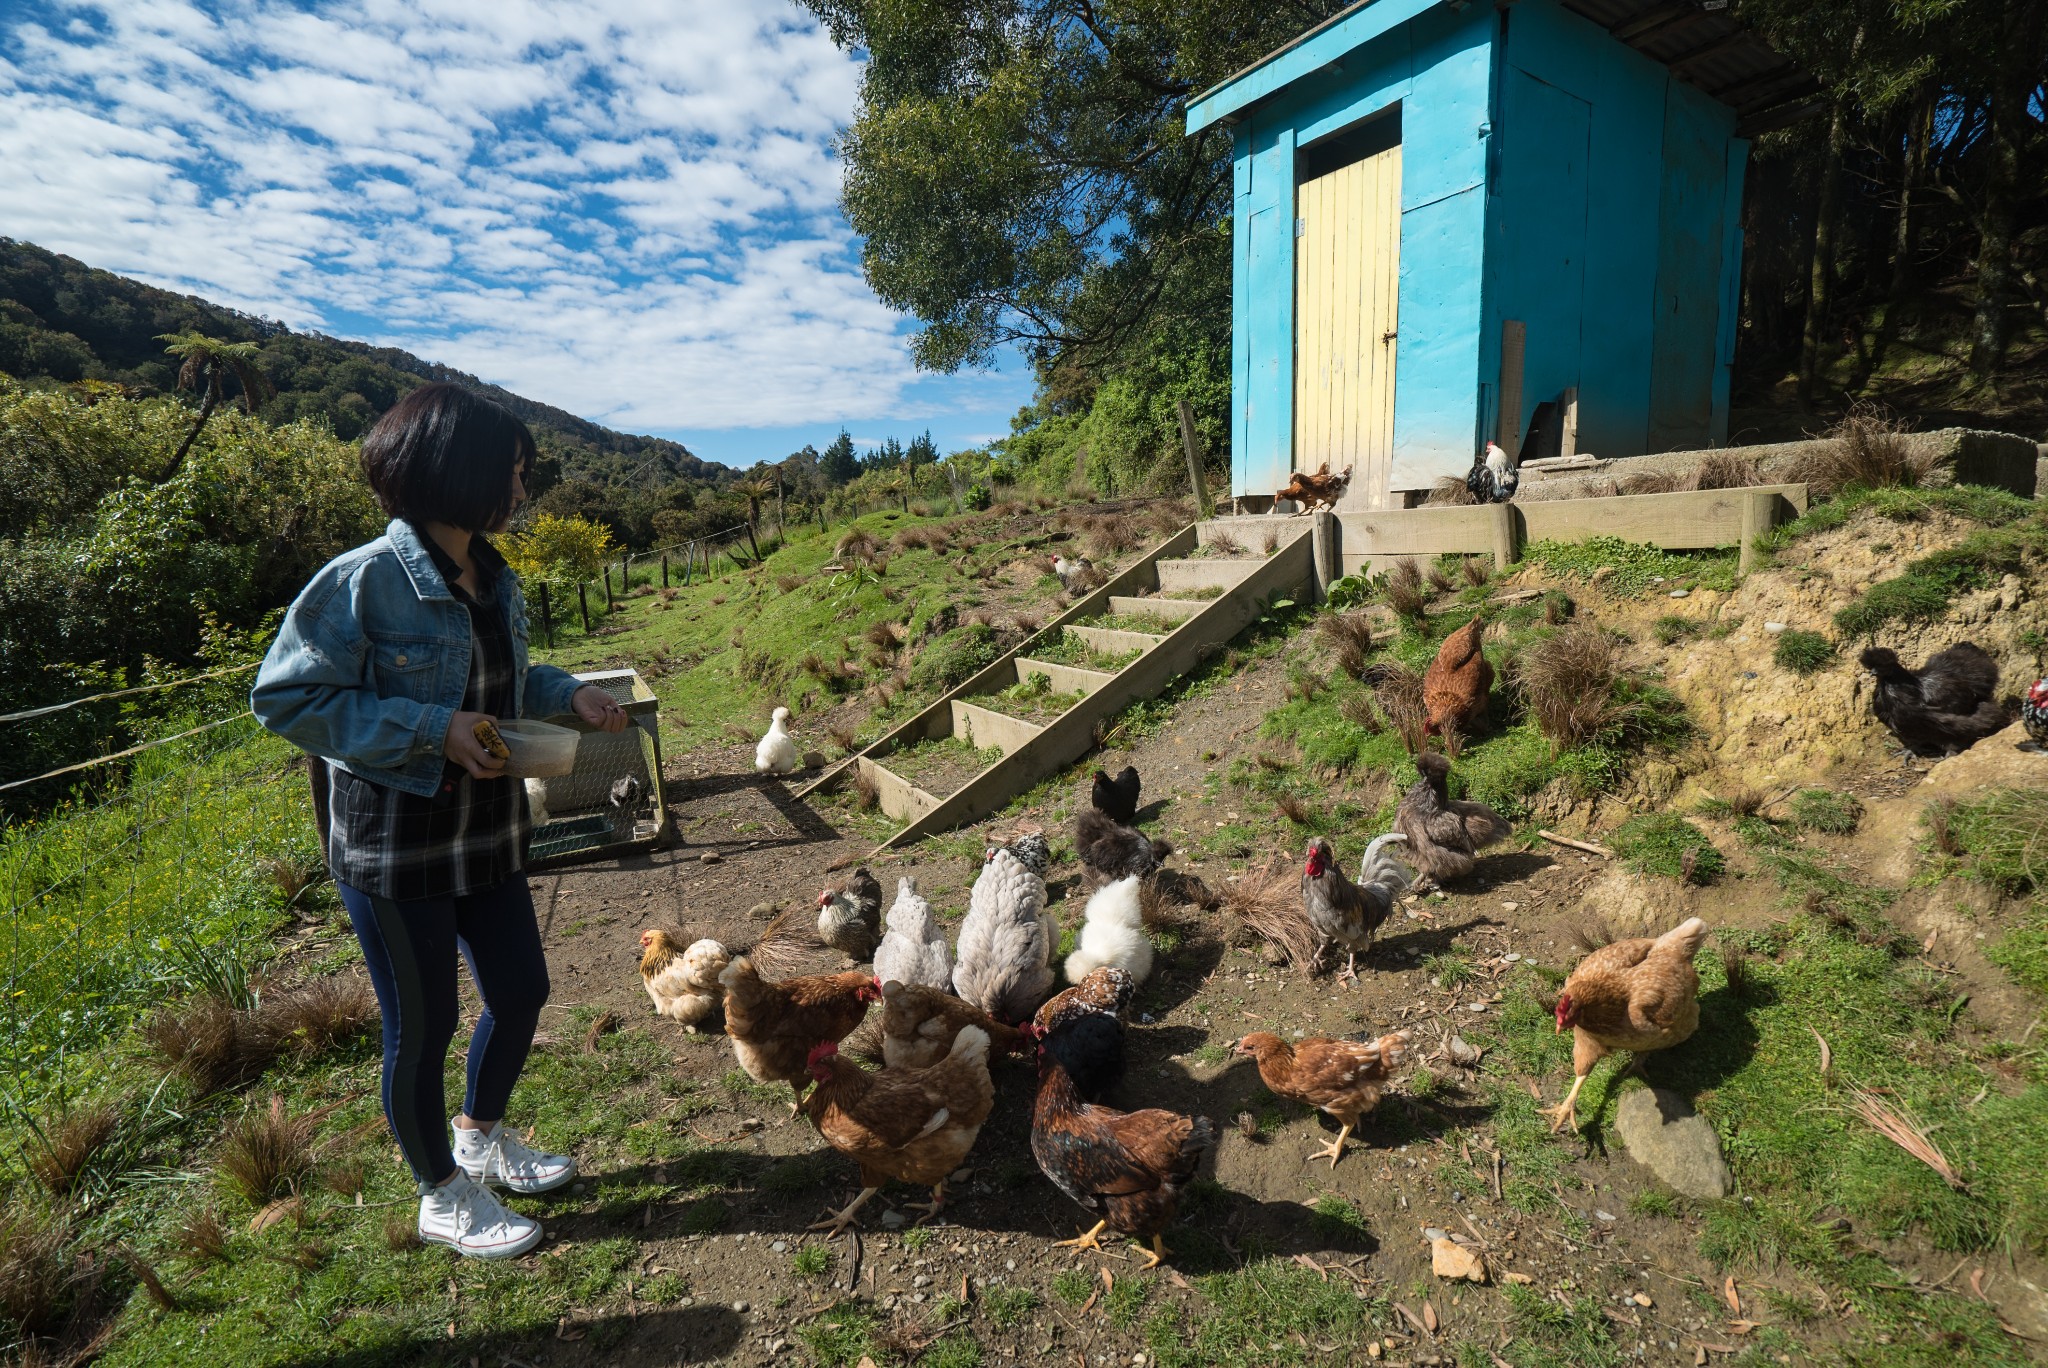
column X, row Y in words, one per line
column 1564, row 1114
column 835, row 1225
column 931, row 1208
column 1156, row 1255
column 1085, row 1240
column 1334, row 1150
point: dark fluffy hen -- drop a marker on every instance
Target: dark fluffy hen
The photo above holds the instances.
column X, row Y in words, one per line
column 1126, row 1169
column 1945, row 706
column 1119, row 796
column 1113, row 850
column 1445, row 834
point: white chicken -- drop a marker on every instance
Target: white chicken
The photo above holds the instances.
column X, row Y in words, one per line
column 1113, row 933
column 684, row 985
column 913, row 948
column 777, row 753
column 1003, row 963
column 537, row 801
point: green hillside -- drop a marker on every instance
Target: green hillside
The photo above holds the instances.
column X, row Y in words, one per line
column 61, row 319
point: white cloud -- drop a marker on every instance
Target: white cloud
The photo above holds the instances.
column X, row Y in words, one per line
column 624, row 207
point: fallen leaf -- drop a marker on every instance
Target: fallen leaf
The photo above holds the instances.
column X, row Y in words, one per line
column 1429, row 1317
column 1827, row 1056
column 568, row 1333
column 1534, row 1091
column 865, row 1362
column 1177, row 1280
column 1449, row 1259
column 1306, row 1262
column 1728, row 1291
column 1742, row 1327
column 1414, row 1319
column 272, row 1214
column 1108, row 1283
column 1977, row 1285
column 1927, row 946
column 451, row 1329
column 1521, row 1279
column 1699, row 1355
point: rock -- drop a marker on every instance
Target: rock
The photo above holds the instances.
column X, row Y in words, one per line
column 711, row 857
column 780, row 1246
column 894, row 1220
column 740, row 1308
column 1449, row 1259
column 1665, row 1135
column 1510, row 907
column 1642, row 1299
column 761, row 909
column 814, row 759
column 1681, row 593
column 1774, row 627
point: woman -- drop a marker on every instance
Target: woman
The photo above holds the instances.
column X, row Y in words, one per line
column 386, row 663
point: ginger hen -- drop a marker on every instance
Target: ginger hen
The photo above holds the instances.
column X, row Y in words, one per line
column 1126, row 1169
column 1458, row 682
column 1347, row 913
column 1343, row 1078
column 1445, row 834
column 919, row 1025
column 682, row 982
column 912, row 1125
column 1320, row 488
column 774, row 1025
column 1638, row 995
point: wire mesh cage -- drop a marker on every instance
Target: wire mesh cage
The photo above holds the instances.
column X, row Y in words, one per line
column 612, row 801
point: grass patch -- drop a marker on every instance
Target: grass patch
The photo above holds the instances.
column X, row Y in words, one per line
column 1073, row 1286
column 2003, row 838
column 1338, row 1221
column 1006, row 1306
column 1270, row 1312
column 1664, row 843
column 1149, row 623
column 811, row 1261
column 1546, row 1332
column 1632, row 567
column 842, row 1337
column 1826, row 810
column 1802, row 652
column 1924, row 590
column 1976, row 503
column 1672, row 629
column 1069, row 649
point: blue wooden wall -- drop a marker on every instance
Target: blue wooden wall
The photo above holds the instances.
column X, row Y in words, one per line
column 1549, row 174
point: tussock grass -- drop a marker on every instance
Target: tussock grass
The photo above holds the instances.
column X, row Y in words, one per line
column 1720, row 470
column 1348, row 634
column 1802, row 653
column 1867, row 449
column 1578, row 693
column 1404, row 591
column 267, row 1153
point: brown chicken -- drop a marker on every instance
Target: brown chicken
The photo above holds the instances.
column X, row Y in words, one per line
column 1341, row 1077
column 1320, row 488
column 1458, row 682
column 1127, row 1169
column 1445, row 834
column 774, row 1025
column 683, row 982
column 1638, row 995
column 919, row 1025
column 912, row 1125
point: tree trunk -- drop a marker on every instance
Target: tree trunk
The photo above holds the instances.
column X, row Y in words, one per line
column 1821, row 276
column 1988, row 331
column 781, row 523
column 753, row 512
column 1919, row 132
column 205, row 412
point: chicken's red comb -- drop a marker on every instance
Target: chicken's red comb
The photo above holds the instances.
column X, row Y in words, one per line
column 822, row 1051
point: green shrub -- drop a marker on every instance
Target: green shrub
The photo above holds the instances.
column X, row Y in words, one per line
column 1829, row 810
column 1662, row 843
column 1802, row 652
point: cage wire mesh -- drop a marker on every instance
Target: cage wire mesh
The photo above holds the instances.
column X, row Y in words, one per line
column 612, row 800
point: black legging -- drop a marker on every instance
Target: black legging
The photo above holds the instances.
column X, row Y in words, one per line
column 410, row 949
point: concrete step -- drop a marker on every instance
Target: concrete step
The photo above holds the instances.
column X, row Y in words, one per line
column 1065, row 678
column 1252, row 532
column 1173, row 610
column 1208, row 572
column 1110, row 641
column 895, row 795
column 984, row 727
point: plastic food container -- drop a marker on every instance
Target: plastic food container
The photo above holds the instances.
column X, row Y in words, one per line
column 539, row 749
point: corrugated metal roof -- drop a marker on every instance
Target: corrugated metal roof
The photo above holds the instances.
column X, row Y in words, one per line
column 1709, row 50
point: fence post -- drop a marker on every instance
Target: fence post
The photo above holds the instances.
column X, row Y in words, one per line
column 583, row 603
column 664, row 569
column 607, row 588
column 547, row 622
column 1506, row 535
column 1759, row 511
column 625, row 573
column 1191, row 444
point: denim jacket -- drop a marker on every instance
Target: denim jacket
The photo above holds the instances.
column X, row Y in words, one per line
column 373, row 659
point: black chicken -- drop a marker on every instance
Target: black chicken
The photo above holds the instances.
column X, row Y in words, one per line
column 1119, row 796
column 1493, row 477
column 1111, row 850
column 1081, row 1029
column 1945, row 706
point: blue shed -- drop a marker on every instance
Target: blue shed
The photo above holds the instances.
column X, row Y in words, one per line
column 1448, row 214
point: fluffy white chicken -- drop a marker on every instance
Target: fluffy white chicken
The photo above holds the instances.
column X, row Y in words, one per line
column 1003, row 963
column 777, row 753
column 684, row 985
column 1113, row 933
column 913, row 948
column 537, row 801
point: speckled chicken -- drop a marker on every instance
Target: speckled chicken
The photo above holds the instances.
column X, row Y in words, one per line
column 1445, row 834
column 913, row 948
column 919, row 1024
column 1458, row 682
column 1346, row 913
column 1639, row 995
column 1082, row 1030
column 850, row 917
column 1343, row 1078
column 683, row 983
column 1003, row 963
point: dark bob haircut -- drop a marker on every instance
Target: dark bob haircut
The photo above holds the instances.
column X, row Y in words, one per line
column 446, row 454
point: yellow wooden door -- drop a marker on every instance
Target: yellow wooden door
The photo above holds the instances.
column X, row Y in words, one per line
column 1347, row 274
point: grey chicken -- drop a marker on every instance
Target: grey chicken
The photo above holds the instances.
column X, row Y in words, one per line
column 1003, row 963
column 1445, row 834
column 913, row 949
column 1348, row 913
column 1111, row 850
column 850, row 918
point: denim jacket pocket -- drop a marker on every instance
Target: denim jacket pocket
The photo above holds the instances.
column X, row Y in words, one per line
column 405, row 667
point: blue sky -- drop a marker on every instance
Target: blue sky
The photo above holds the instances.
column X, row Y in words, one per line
column 626, row 208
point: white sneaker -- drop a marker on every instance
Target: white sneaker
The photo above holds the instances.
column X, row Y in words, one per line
column 496, row 1156
column 468, row 1218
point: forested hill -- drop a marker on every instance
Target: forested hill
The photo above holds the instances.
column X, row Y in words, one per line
column 64, row 320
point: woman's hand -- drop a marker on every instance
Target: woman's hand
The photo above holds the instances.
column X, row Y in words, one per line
column 597, row 707
column 465, row 750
